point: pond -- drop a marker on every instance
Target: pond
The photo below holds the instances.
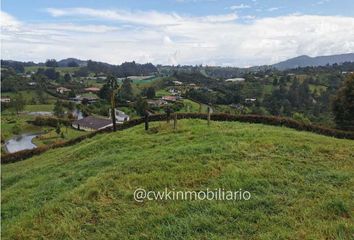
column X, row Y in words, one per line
column 21, row 142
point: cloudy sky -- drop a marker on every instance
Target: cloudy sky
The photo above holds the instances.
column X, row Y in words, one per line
column 213, row 32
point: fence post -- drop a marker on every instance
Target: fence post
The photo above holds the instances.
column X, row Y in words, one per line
column 208, row 115
column 168, row 113
column 146, row 119
column 175, row 121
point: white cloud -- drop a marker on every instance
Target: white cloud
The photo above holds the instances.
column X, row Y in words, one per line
column 169, row 38
column 241, row 6
column 8, row 22
column 322, row 2
column 152, row 18
column 248, row 17
column 272, row 9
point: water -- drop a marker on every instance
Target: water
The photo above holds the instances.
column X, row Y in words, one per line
column 21, row 142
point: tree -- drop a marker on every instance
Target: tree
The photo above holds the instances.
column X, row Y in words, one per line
column 67, row 77
column 57, row 129
column 301, row 118
column 71, row 106
column 126, row 91
column 51, row 63
column 343, row 104
column 16, row 129
column 305, row 94
column 141, row 106
column 58, row 109
column 18, row 103
column 82, row 72
column 105, row 92
column 112, row 83
column 72, row 94
column 52, row 74
column 150, row 92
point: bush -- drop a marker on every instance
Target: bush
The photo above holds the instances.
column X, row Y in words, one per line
column 50, row 121
column 301, row 118
column 16, row 129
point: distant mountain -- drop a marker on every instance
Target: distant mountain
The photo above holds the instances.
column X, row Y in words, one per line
column 69, row 61
column 306, row 61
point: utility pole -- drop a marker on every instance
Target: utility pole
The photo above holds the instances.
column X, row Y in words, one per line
column 114, row 90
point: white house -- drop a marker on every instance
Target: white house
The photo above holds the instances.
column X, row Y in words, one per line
column 5, row 100
column 62, row 90
column 235, row 80
column 177, row 82
column 121, row 117
column 250, row 100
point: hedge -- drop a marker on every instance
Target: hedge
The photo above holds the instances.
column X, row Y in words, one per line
column 49, row 121
column 269, row 120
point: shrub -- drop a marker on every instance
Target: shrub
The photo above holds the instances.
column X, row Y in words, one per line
column 301, row 118
column 16, row 129
column 50, row 121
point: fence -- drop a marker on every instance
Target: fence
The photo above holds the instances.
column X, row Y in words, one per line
column 269, row 120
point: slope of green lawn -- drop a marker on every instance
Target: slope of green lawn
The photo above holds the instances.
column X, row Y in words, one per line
column 301, row 185
column 62, row 70
column 191, row 106
column 51, row 136
column 39, row 108
column 29, row 95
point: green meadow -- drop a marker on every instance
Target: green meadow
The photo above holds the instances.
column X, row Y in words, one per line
column 301, row 185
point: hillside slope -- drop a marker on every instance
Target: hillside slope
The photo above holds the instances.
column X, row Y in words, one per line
column 306, row 61
column 301, row 185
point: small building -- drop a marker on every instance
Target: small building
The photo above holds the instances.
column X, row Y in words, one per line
column 62, row 90
column 174, row 92
column 250, row 100
column 92, row 89
column 235, row 80
column 169, row 98
column 32, row 83
column 84, row 99
column 5, row 100
column 92, row 123
column 177, row 83
column 156, row 103
column 121, row 117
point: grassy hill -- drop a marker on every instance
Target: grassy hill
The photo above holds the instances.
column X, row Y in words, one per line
column 301, row 185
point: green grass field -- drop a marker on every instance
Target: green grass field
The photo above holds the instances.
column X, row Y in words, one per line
column 39, row 108
column 52, row 137
column 301, row 185
column 62, row 70
column 28, row 95
column 162, row 92
column 191, row 106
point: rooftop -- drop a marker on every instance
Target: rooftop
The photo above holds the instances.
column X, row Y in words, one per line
column 93, row 122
